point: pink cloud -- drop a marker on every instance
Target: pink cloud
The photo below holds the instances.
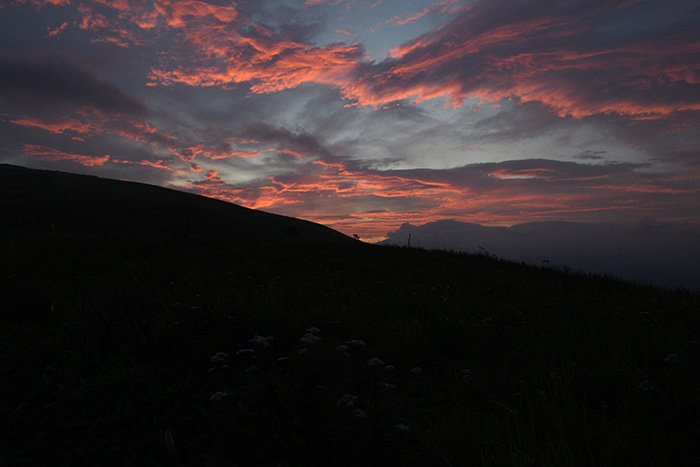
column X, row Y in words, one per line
column 57, row 31
column 50, row 154
column 545, row 55
column 374, row 202
column 491, row 50
column 159, row 164
column 71, row 126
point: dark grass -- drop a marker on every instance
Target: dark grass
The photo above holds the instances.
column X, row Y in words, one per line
column 106, row 347
column 106, row 338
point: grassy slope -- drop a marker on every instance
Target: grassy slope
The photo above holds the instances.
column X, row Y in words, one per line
column 106, row 339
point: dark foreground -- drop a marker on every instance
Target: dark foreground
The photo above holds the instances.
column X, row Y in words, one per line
column 107, row 344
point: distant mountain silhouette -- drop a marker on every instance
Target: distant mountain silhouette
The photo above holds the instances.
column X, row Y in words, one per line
column 664, row 254
column 48, row 201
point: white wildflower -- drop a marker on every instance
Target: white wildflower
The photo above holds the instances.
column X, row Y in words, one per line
column 375, row 363
column 348, row 400
column 672, row 359
column 219, row 358
column 218, row 396
column 402, row 428
column 261, row 341
column 467, row 376
column 646, row 386
column 359, row 413
column 310, row 339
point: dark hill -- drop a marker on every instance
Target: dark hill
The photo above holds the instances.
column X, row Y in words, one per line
column 124, row 341
column 45, row 201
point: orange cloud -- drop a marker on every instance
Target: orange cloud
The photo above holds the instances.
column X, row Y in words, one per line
column 180, row 13
column 509, row 174
column 55, row 155
column 290, row 152
column 443, row 6
column 41, row 3
column 161, row 165
column 289, row 66
column 89, row 122
column 216, row 153
column 372, row 203
column 69, row 125
column 46, row 153
column 57, row 31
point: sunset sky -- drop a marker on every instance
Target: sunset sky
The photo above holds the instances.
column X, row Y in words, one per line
column 365, row 114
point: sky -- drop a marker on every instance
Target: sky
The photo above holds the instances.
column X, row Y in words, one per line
column 365, row 114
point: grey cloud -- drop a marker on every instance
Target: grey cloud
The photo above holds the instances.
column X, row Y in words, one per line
column 551, row 172
column 25, row 84
column 589, row 155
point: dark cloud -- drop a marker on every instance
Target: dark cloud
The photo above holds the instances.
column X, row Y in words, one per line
column 539, row 173
column 30, row 85
column 589, row 155
column 292, row 21
column 303, row 142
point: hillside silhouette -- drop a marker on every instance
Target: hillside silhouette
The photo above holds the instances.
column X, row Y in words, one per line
column 129, row 338
column 47, row 201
